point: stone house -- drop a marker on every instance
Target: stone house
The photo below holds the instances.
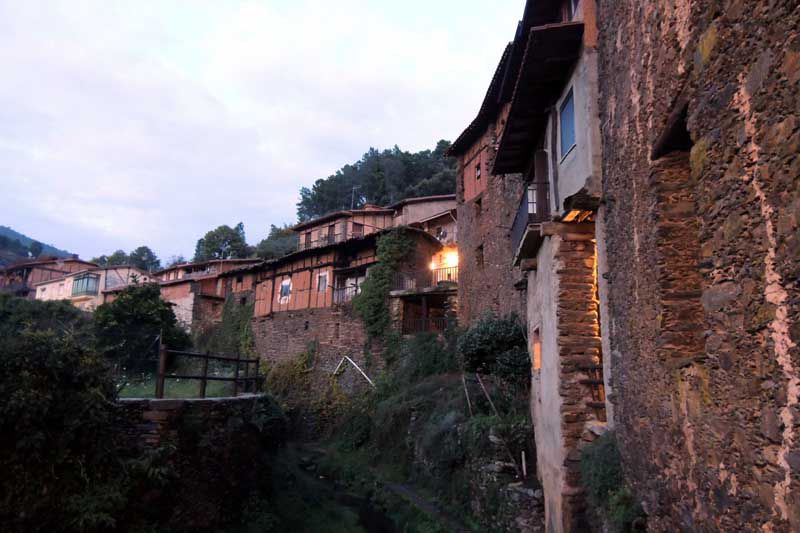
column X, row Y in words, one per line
column 89, row 288
column 701, row 186
column 305, row 298
column 486, row 202
column 196, row 290
column 20, row 278
column 547, row 135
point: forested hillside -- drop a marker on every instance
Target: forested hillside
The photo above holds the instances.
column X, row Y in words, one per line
column 381, row 178
column 14, row 246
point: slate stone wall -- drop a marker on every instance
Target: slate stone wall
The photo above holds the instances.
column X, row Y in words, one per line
column 703, row 251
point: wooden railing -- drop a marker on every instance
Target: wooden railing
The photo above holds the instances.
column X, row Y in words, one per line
column 423, row 279
column 422, row 325
column 251, row 382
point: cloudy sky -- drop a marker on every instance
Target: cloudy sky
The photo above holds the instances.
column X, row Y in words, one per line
column 150, row 122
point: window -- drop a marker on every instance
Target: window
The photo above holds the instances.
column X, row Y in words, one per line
column 478, row 206
column 331, row 233
column 479, row 256
column 308, row 239
column 239, row 279
column 243, row 301
column 478, row 171
column 572, row 8
column 358, row 229
column 322, row 282
column 536, row 350
column 566, row 123
column 86, row 284
column 286, row 289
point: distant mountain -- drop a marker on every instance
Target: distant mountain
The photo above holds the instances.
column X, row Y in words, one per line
column 15, row 246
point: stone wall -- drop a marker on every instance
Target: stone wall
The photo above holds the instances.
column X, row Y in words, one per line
column 703, row 292
column 566, row 402
column 201, row 458
column 332, row 332
column 486, row 275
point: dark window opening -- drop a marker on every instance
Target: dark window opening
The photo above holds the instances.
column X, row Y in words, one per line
column 305, row 326
column 239, row 279
column 676, row 136
column 243, row 300
column 479, row 256
column 478, row 171
column 336, row 330
column 478, row 206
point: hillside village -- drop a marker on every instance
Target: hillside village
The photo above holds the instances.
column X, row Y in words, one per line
column 629, row 193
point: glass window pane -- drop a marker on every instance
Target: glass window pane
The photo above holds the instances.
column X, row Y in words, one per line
column 567, row 124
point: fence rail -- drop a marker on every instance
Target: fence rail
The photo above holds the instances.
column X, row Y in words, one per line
column 422, row 325
column 423, row 279
column 251, row 383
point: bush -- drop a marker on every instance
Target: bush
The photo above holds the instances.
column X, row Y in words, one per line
column 496, row 345
column 601, row 471
column 127, row 329
column 59, row 458
column 233, row 335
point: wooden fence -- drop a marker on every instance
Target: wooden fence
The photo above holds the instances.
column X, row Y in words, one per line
column 251, row 382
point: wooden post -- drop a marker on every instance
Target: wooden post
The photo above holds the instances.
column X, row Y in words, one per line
column 247, row 375
column 162, row 368
column 204, row 381
column 236, row 377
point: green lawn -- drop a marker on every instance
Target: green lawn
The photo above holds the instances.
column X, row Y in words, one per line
column 145, row 386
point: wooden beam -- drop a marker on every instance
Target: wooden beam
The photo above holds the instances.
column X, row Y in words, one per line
column 562, row 229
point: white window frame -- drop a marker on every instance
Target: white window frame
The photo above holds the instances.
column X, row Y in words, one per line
column 321, row 276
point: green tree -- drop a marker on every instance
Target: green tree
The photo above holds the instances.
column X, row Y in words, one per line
column 175, row 260
column 144, row 258
column 119, row 257
column 36, row 248
column 61, row 470
column 100, row 260
column 127, row 329
column 282, row 240
column 223, row 242
column 381, row 177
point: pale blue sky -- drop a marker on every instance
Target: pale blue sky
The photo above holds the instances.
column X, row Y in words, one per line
column 150, row 122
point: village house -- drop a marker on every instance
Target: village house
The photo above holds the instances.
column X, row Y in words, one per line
column 701, row 208
column 486, row 202
column 20, row 278
column 89, row 288
column 196, row 290
column 546, row 134
column 305, row 297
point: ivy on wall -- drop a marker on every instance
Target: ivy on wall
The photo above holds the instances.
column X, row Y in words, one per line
column 372, row 304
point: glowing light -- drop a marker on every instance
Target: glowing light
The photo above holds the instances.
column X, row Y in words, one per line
column 451, row 258
column 433, row 265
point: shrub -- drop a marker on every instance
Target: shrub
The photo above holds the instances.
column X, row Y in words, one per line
column 496, row 345
column 601, row 471
column 127, row 329
column 59, row 456
column 233, row 334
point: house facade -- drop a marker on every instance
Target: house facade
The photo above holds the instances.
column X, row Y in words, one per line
column 546, row 135
column 19, row 279
column 197, row 291
column 305, row 298
column 701, row 186
column 486, row 202
column 89, row 288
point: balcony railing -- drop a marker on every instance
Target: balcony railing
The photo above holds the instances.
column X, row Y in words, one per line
column 424, row 279
column 325, row 240
column 534, row 208
column 343, row 295
column 422, row 325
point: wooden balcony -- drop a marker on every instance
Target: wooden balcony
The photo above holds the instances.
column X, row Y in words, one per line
column 533, row 210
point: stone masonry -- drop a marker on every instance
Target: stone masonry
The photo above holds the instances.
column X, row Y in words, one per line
column 701, row 136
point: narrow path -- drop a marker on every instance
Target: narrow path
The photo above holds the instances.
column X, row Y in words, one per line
column 427, row 507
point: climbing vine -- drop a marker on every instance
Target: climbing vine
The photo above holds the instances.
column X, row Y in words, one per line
column 372, row 304
column 233, row 334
